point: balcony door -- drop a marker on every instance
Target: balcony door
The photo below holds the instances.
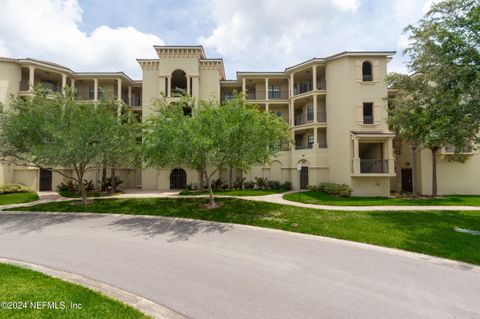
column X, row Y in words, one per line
column 45, row 180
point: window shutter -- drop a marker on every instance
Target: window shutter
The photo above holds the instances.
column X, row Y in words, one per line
column 360, row 114
column 376, row 70
column 377, row 113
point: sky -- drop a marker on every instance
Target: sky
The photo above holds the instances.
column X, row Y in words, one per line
column 250, row 35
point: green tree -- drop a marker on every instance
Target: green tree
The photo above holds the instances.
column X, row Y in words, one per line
column 56, row 133
column 215, row 137
column 439, row 105
column 124, row 147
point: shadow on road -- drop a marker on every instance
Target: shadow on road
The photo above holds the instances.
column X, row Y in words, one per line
column 29, row 222
column 177, row 230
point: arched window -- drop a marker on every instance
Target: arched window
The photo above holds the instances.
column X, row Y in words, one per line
column 178, row 178
column 179, row 83
column 367, row 71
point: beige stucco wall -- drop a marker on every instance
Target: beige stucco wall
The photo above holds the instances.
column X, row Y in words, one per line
column 10, row 77
column 452, row 177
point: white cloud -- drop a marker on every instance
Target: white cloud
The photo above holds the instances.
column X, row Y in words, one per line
column 271, row 35
column 51, row 30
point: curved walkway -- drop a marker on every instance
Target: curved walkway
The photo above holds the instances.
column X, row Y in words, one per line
column 213, row 270
column 273, row 198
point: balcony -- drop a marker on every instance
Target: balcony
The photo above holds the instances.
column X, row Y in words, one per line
column 300, row 88
column 52, row 87
column 373, row 166
column 278, row 95
column 255, row 95
column 322, row 117
column 85, row 95
column 303, row 146
column 299, row 120
column 368, row 119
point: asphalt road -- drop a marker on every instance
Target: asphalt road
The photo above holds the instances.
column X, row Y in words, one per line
column 210, row 270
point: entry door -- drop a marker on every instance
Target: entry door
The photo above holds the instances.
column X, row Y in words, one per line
column 407, row 185
column 178, row 179
column 304, row 177
column 45, row 180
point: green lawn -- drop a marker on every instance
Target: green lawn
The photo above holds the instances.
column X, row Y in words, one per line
column 237, row 192
column 429, row 232
column 23, row 285
column 18, row 198
column 320, row 198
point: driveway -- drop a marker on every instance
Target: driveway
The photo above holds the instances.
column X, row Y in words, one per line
column 210, row 270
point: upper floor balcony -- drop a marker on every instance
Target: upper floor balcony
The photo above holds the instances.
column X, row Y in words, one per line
column 372, row 154
column 307, row 80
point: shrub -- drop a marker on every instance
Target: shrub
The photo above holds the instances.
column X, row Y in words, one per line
column 249, row 184
column 88, row 185
column 219, row 184
column 67, row 187
column 287, row 185
column 274, row 184
column 107, row 182
column 239, row 182
column 340, row 190
column 193, row 187
column 261, row 182
column 14, row 188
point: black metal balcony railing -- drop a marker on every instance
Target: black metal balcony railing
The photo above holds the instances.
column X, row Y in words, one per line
column 367, row 119
column 85, row 95
column 322, row 145
column 136, row 101
column 321, row 117
column 367, row 77
column 299, row 120
column 256, row 95
column 278, row 95
column 300, row 88
column 373, row 166
column 52, row 87
column 24, row 86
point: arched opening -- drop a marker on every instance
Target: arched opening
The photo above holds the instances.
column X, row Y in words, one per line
column 367, row 71
column 179, row 83
column 178, row 178
column 303, row 173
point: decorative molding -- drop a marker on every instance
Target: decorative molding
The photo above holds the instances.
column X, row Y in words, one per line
column 180, row 52
column 149, row 64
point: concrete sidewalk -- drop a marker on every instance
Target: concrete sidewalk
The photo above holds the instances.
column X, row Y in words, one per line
column 46, row 197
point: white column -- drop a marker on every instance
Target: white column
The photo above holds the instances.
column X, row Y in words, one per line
column 315, row 118
column 188, row 85
column 314, row 77
column 196, row 87
column 266, row 89
column 390, row 157
column 31, row 77
column 291, row 85
column 244, row 87
column 64, row 81
column 119, row 89
column 356, row 158
column 129, row 95
column 267, row 107
column 72, row 83
column 169, row 85
column 290, row 113
column 315, row 138
column 95, row 89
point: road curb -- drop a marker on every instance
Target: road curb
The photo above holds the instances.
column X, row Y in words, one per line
column 144, row 305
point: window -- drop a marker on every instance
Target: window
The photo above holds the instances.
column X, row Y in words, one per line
column 91, row 92
column 310, row 113
column 367, row 71
column 274, row 91
column 310, row 141
column 368, row 113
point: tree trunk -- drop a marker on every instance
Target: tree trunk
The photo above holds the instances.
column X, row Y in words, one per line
column 414, row 168
column 211, row 199
column 80, row 172
column 230, row 182
column 434, row 171
column 241, row 180
column 113, row 179
column 104, row 176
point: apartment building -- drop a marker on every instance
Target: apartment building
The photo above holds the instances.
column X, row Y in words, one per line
column 335, row 107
